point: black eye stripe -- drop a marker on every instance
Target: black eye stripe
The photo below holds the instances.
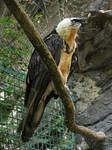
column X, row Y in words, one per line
column 78, row 20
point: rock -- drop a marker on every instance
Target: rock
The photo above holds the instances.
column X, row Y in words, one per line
column 95, row 51
column 95, row 45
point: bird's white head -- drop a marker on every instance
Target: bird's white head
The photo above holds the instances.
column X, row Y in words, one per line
column 68, row 26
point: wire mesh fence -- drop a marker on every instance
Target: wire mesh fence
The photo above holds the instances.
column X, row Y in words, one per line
column 51, row 134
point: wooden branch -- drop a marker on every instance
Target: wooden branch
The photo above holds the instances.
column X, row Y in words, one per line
column 45, row 55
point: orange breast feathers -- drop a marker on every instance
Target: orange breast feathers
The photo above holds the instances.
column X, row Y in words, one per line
column 65, row 64
column 65, row 60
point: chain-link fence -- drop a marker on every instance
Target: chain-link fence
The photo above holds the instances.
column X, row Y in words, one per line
column 51, row 133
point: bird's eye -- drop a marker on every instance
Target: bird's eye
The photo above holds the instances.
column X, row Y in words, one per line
column 73, row 21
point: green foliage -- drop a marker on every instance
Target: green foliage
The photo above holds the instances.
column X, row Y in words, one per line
column 10, row 55
column 4, row 20
column 36, row 18
column 14, row 47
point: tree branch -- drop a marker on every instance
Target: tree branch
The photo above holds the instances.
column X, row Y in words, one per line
column 45, row 55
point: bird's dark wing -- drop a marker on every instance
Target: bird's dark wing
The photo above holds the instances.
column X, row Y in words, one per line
column 36, row 83
column 37, row 70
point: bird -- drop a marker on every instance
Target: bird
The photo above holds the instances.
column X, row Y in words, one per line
column 39, row 86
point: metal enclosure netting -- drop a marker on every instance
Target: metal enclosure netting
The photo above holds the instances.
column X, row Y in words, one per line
column 51, row 133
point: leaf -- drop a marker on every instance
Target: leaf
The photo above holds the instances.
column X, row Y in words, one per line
column 4, row 20
column 37, row 16
column 7, row 31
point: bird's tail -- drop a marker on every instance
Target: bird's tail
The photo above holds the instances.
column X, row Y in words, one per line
column 32, row 120
column 34, row 113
